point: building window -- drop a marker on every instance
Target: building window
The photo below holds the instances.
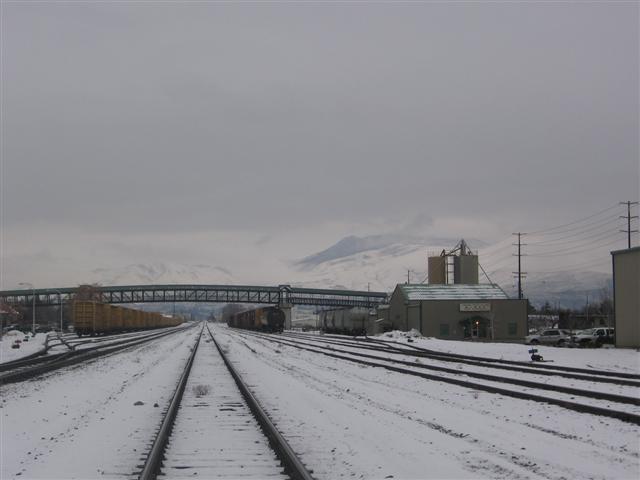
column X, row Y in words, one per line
column 513, row 328
column 444, row 329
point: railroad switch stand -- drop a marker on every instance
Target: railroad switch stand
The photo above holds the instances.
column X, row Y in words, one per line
column 534, row 355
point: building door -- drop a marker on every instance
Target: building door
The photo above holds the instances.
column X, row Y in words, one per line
column 479, row 327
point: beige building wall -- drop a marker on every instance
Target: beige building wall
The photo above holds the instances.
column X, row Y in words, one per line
column 398, row 310
column 626, row 285
column 507, row 318
column 441, row 318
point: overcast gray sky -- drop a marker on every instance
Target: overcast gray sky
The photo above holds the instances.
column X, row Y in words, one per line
column 226, row 133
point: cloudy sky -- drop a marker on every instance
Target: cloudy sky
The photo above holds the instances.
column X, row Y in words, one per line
column 245, row 135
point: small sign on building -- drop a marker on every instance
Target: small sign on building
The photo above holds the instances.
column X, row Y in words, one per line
column 475, row 307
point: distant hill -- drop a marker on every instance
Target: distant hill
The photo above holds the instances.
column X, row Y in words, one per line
column 377, row 262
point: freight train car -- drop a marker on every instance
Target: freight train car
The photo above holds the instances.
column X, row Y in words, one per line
column 91, row 318
column 266, row 319
column 346, row 321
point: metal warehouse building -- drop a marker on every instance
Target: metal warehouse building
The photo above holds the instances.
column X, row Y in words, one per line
column 464, row 309
column 458, row 311
column 626, row 296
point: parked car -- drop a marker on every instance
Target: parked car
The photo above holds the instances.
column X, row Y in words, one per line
column 15, row 344
column 593, row 337
column 553, row 336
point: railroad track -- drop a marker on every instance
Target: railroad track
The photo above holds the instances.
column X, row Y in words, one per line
column 25, row 369
column 592, row 397
column 215, row 428
column 593, row 375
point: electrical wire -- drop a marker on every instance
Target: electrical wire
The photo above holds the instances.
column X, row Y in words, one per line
column 579, row 244
column 537, row 232
column 569, row 252
column 573, row 235
column 576, row 267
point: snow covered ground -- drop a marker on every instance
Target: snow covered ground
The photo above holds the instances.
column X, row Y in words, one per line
column 349, row 420
column 612, row 359
column 7, row 354
column 82, row 422
column 344, row 420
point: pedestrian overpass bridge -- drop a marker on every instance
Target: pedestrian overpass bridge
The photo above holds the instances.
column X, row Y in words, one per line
column 283, row 295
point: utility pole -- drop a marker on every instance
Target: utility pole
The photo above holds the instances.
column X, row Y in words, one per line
column 587, row 308
column 408, row 277
column 519, row 273
column 629, row 217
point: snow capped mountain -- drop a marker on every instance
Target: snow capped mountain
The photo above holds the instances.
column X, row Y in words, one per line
column 353, row 245
column 390, row 244
column 377, row 262
column 382, row 261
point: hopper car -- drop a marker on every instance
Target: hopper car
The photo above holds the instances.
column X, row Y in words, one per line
column 266, row 319
column 93, row 318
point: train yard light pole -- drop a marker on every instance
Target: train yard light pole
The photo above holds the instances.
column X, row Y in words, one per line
column 60, row 301
column 30, row 285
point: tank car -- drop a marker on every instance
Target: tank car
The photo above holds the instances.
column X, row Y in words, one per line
column 265, row 319
column 345, row 321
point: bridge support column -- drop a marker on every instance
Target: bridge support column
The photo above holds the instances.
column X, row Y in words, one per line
column 286, row 308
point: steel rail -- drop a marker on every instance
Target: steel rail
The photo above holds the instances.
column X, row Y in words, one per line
column 293, row 466
column 154, row 459
column 41, row 355
column 75, row 357
column 514, row 381
column 30, row 361
column 541, row 366
column 493, row 363
column 601, row 411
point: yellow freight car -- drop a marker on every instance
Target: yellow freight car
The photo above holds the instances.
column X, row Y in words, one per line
column 90, row 318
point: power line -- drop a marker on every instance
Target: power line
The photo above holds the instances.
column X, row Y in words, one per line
column 577, row 229
column 574, row 222
column 629, row 218
column 506, row 254
column 520, row 272
column 572, row 235
column 578, row 244
column 495, row 245
column 574, row 252
column 576, row 267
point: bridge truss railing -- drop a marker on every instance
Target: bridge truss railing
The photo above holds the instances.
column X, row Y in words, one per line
column 280, row 295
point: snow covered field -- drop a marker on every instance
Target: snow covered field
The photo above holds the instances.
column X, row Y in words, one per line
column 612, row 359
column 81, row 422
column 34, row 344
column 344, row 420
column 349, row 421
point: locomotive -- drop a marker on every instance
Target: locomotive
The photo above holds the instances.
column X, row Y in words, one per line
column 265, row 319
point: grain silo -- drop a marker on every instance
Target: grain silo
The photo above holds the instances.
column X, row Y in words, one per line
column 465, row 269
column 437, row 270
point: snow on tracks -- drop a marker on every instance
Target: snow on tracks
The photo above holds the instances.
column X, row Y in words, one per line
column 215, row 434
column 82, row 422
column 370, row 422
